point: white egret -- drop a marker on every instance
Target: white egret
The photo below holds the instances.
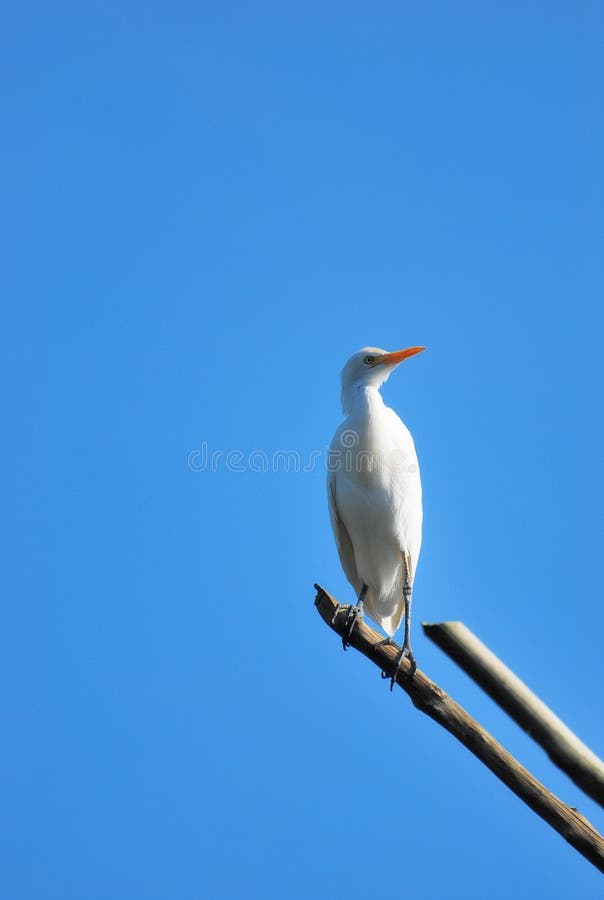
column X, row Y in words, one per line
column 375, row 497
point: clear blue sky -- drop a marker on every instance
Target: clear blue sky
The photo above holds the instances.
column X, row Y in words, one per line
column 207, row 208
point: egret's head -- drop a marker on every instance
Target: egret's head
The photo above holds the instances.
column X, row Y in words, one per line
column 371, row 367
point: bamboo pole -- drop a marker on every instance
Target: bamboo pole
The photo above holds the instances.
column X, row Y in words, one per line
column 562, row 746
column 432, row 700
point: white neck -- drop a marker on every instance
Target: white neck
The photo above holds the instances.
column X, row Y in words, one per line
column 360, row 396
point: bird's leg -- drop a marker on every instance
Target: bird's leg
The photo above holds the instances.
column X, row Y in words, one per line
column 354, row 613
column 406, row 652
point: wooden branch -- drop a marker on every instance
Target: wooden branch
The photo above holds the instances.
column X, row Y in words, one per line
column 433, row 701
column 562, row 746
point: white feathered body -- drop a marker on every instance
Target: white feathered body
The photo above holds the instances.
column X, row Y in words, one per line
column 375, row 502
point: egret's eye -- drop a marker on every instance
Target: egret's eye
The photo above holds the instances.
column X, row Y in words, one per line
column 368, row 360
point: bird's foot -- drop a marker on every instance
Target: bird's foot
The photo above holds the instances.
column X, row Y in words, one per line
column 405, row 653
column 354, row 614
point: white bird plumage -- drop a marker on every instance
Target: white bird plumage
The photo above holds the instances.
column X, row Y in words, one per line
column 374, row 491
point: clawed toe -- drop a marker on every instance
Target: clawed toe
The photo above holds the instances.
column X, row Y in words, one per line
column 383, row 643
column 339, row 606
column 404, row 654
column 412, row 663
column 354, row 613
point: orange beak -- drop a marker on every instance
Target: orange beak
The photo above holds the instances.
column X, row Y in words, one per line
column 393, row 359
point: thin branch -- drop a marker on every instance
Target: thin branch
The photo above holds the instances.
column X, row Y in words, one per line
column 433, row 701
column 562, row 746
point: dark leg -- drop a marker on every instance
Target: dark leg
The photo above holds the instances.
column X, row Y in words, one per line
column 406, row 652
column 354, row 613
